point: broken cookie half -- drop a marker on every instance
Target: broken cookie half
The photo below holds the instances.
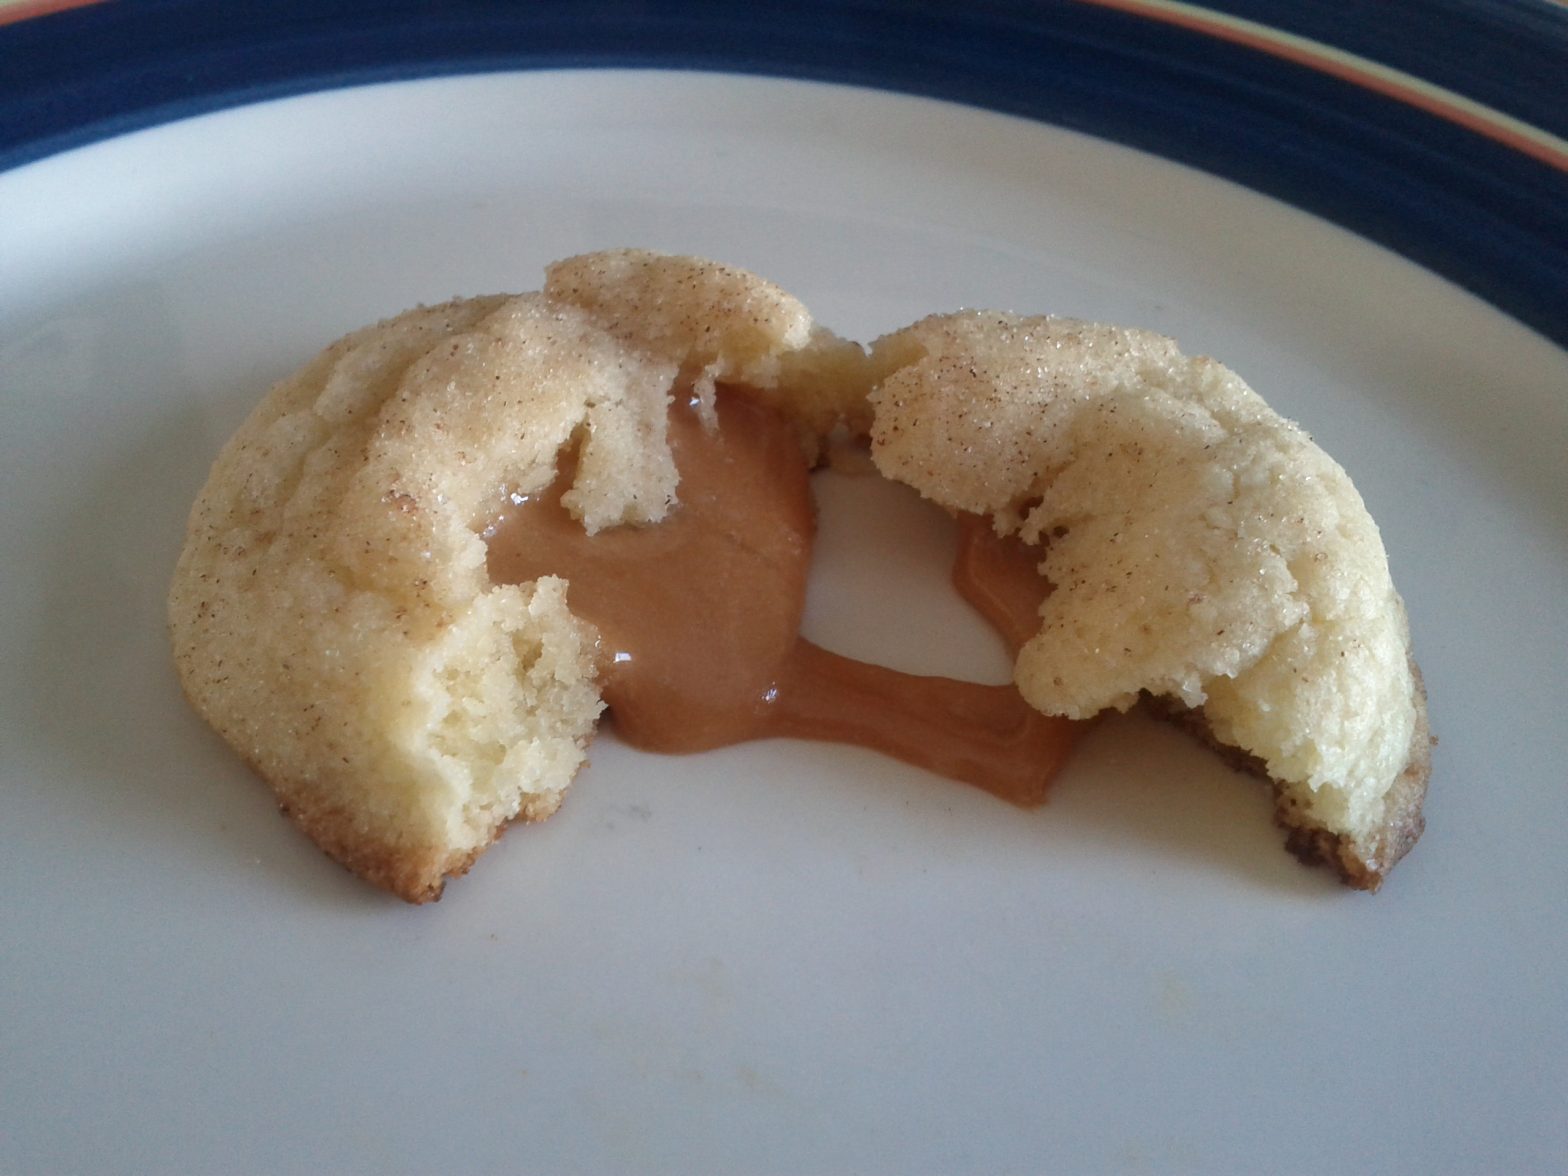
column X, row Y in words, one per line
column 334, row 619
column 332, row 614
column 1204, row 554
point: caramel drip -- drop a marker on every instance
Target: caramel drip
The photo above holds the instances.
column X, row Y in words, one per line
column 1000, row 577
column 699, row 620
column 987, row 736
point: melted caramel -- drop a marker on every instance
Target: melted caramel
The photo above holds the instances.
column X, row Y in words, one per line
column 1000, row 577
column 697, row 613
column 987, row 736
column 699, row 619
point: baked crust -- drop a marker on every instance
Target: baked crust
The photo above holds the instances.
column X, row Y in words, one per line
column 1362, row 863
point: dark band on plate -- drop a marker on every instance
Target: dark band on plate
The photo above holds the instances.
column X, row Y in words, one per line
column 1432, row 127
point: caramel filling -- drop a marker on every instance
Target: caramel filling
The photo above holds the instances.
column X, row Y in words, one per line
column 699, row 618
column 1000, row 577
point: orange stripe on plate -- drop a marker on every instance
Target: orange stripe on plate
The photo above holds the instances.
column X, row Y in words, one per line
column 10, row 13
column 1347, row 67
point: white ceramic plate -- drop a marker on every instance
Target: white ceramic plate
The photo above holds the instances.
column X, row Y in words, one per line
column 786, row 957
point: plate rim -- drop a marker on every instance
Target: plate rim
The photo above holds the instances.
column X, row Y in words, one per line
column 1280, row 98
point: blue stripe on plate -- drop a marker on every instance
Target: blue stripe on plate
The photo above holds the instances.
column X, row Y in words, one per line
column 1469, row 208
column 1511, row 55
